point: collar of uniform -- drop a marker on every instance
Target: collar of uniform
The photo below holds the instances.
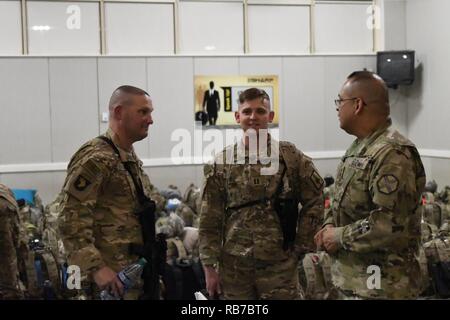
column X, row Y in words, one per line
column 125, row 156
column 271, row 143
column 360, row 146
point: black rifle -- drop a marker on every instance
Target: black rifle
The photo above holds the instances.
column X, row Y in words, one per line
column 154, row 249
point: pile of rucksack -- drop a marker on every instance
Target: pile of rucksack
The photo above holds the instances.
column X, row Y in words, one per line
column 435, row 254
column 42, row 273
column 183, row 274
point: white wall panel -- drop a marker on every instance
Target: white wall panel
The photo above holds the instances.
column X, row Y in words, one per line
column 139, row 28
column 63, row 28
column 211, row 66
column 395, row 24
column 47, row 184
column 429, row 97
column 10, row 28
column 304, row 102
column 74, row 101
column 214, row 27
column 399, row 110
column 438, row 170
column 25, row 120
column 343, row 28
column 171, row 83
column 278, row 29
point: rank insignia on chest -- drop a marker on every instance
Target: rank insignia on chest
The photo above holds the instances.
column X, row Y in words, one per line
column 256, row 181
column 81, row 183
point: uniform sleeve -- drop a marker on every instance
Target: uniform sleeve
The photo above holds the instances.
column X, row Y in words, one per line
column 8, row 251
column 395, row 193
column 77, row 210
column 328, row 217
column 211, row 216
column 312, row 202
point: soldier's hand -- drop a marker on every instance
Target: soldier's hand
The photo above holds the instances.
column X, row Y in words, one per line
column 106, row 278
column 329, row 240
column 212, row 281
column 318, row 238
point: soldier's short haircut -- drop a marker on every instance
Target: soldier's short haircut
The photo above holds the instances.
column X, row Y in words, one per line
column 363, row 75
column 373, row 86
column 252, row 94
column 132, row 90
column 122, row 95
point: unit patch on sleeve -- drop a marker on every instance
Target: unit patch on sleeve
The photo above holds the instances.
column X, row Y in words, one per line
column 387, row 184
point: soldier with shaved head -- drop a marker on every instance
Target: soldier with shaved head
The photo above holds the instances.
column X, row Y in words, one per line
column 101, row 196
column 372, row 229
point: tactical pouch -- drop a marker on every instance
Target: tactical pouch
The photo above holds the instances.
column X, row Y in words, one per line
column 287, row 210
column 154, row 249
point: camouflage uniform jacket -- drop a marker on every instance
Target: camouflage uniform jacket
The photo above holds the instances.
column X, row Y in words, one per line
column 378, row 190
column 98, row 208
column 254, row 231
column 9, row 246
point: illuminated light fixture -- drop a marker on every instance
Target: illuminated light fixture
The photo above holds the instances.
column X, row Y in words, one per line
column 40, row 28
column 389, row 60
column 405, row 56
column 210, row 48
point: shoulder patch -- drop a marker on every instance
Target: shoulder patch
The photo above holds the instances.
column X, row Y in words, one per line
column 387, row 184
column 316, row 180
column 81, row 183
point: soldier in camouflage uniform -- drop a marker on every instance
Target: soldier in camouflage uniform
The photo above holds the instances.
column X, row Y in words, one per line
column 240, row 237
column 374, row 221
column 9, row 246
column 100, row 198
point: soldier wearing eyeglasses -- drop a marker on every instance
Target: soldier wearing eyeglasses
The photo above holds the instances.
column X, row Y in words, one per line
column 372, row 229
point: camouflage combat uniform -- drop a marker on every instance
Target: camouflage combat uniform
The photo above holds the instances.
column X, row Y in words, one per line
column 9, row 246
column 378, row 190
column 99, row 205
column 246, row 240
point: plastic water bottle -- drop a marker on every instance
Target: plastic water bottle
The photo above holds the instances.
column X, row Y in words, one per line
column 128, row 276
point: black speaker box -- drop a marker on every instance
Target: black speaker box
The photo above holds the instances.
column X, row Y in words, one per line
column 396, row 67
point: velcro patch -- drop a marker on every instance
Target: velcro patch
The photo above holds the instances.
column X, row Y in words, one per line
column 83, row 180
column 359, row 162
column 316, row 180
column 81, row 183
column 387, row 184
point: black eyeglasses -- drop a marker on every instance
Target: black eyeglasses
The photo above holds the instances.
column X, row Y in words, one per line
column 338, row 102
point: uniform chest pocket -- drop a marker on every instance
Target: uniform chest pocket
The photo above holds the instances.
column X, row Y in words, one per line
column 353, row 189
column 119, row 184
column 244, row 183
